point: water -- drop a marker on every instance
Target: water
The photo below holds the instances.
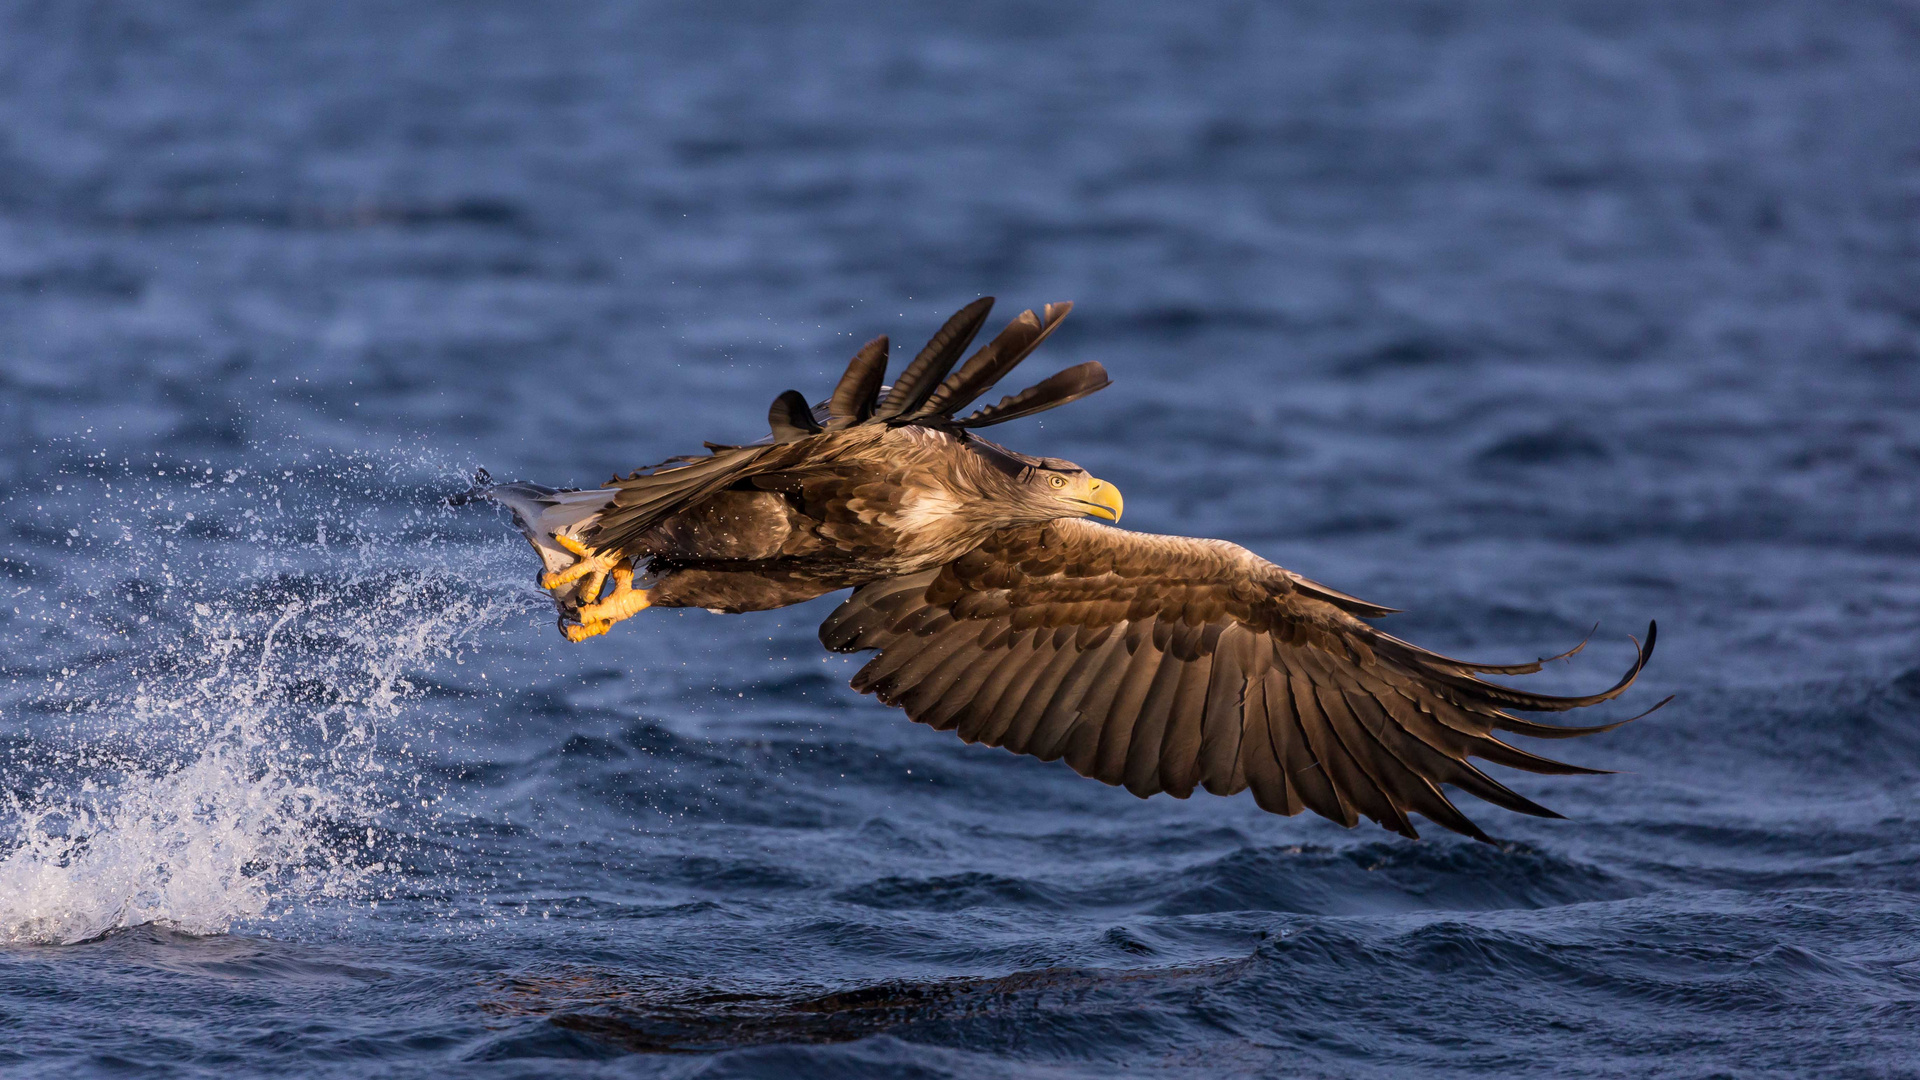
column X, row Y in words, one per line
column 1519, row 317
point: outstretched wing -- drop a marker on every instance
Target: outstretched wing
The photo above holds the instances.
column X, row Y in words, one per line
column 645, row 498
column 1166, row 663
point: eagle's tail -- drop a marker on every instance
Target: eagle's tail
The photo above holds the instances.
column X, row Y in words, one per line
column 542, row 513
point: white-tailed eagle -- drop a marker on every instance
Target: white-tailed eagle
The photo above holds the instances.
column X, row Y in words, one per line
column 997, row 610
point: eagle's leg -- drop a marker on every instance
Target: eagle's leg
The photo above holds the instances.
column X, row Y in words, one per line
column 623, row 602
column 593, row 565
column 595, row 618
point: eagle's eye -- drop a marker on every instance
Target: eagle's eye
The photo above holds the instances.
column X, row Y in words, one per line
column 1057, row 481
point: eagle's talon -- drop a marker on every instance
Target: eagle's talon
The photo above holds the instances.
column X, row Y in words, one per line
column 623, row 603
column 595, row 563
column 578, row 632
column 583, row 617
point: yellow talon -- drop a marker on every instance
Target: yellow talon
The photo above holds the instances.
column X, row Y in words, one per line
column 590, row 589
column 578, row 632
column 595, row 563
column 597, row 618
column 623, row 603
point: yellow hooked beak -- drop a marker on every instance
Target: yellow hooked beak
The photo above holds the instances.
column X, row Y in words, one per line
column 1103, row 501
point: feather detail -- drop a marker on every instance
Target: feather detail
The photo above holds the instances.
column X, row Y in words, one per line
column 859, row 389
column 791, row 418
column 1170, row 665
column 923, row 375
column 994, row 360
column 1058, row 389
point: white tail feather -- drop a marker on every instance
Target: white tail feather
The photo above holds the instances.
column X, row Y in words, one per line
column 541, row 513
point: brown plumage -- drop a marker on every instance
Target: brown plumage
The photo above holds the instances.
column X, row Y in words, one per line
column 995, row 610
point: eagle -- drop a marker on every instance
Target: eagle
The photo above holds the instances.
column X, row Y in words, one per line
column 1001, row 602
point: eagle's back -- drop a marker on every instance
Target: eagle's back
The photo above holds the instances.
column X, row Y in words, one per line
column 869, row 502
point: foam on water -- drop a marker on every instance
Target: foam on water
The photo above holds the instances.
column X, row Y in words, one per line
column 231, row 754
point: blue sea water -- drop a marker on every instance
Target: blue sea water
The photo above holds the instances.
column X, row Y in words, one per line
column 1520, row 316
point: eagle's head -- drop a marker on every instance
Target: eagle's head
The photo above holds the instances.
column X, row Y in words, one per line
column 1028, row 488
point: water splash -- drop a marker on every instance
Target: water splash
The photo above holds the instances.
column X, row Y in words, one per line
column 234, row 750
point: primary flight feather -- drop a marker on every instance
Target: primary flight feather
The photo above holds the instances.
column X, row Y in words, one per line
column 999, row 611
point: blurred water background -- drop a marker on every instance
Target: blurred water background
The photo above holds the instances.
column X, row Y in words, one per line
column 1520, row 316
